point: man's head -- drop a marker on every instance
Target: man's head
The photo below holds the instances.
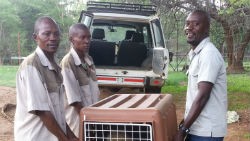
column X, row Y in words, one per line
column 79, row 37
column 46, row 34
column 197, row 27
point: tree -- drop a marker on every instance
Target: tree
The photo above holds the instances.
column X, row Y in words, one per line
column 234, row 17
column 18, row 17
column 9, row 28
column 29, row 10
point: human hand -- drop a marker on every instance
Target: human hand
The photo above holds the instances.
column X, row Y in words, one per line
column 180, row 136
column 74, row 139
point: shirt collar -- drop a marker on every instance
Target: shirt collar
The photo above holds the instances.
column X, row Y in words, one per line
column 77, row 59
column 198, row 48
column 44, row 60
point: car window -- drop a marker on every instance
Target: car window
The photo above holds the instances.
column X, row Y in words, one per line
column 158, row 35
column 114, row 33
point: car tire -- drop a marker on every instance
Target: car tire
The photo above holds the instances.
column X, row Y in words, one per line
column 151, row 89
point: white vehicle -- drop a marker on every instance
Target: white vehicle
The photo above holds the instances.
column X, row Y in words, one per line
column 127, row 45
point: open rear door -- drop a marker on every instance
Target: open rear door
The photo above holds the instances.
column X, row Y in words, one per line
column 86, row 18
column 160, row 51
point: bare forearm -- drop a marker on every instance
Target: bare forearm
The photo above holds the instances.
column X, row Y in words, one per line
column 199, row 103
column 194, row 112
column 78, row 106
column 70, row 134
column 52, row 125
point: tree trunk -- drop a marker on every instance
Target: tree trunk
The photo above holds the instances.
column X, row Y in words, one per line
column 236, row 67
column 229, row 42
column 235, row 58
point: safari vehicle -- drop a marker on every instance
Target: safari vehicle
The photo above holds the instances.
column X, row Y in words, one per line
column 127, row 45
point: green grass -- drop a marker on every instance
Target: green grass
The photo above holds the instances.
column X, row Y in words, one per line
column 238, row 91
column 247, row 136
column 238, row 83
column 176, row 83
column 8, row 76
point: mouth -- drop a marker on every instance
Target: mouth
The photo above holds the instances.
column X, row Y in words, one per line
column 52, row 45
column 189, row 34
column 86, row 46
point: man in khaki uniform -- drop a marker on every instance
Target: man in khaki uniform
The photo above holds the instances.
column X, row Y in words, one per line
column 40, row 112
column 79, row 76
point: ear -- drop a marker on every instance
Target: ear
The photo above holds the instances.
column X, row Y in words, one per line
column 70, row 38
column 34, row 35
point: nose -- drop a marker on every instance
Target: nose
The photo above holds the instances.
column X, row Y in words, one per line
column 188, row 26
column 54, row 36
column 87, row 40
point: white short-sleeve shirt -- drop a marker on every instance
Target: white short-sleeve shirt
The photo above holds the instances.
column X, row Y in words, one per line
column 207, row 64
column 87, row 92
column 32, row 95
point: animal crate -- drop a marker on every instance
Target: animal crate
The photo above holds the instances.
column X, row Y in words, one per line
column 130, row 117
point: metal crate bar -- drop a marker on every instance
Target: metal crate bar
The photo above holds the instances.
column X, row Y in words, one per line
column 97, row 131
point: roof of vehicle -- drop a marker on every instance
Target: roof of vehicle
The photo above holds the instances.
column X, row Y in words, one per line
column 121, row 17
column 121, row 8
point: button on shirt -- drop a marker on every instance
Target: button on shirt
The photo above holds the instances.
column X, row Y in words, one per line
column 34, row 94
column 207, row 64
column 81, row 85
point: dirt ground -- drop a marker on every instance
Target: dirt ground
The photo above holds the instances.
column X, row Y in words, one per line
column 239, row 131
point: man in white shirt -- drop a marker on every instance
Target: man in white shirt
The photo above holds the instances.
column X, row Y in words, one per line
column 79, row 76
column 40, row 100
column 206, row 101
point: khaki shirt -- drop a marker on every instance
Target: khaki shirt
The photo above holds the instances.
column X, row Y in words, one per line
column 38, row 87
column 208, row 65
column 81, row 85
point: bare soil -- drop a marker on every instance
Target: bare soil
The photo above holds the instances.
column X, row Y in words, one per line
column 239, row 131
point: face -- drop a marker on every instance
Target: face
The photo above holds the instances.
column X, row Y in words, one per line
column 80, row 40
column 48, row 36
column 196, row 29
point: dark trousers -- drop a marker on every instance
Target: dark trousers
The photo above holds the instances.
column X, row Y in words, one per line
column 200, row 138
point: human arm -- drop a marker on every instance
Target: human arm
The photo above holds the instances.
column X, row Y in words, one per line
column 70, row 134
column 204, row 90
column 71, row 84
column 78, row 106
column 51, row 124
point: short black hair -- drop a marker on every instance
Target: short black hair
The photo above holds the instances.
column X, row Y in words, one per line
column 43, row 19
column 75, row 27
column 204, row 14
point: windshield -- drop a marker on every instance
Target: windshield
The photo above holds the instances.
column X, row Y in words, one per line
column 117, row 31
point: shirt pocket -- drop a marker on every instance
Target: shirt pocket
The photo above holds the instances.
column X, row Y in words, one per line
column 193, row 70
column 193, row 76
column 52, row 87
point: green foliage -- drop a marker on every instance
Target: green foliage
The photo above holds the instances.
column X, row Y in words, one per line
column 217, row 35
column 9, row 28
column 239, row 2
column 19, row 16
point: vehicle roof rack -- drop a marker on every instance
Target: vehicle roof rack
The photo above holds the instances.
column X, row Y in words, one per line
column 122, row 8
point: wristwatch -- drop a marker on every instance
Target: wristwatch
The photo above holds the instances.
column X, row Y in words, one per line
column 184, row 129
